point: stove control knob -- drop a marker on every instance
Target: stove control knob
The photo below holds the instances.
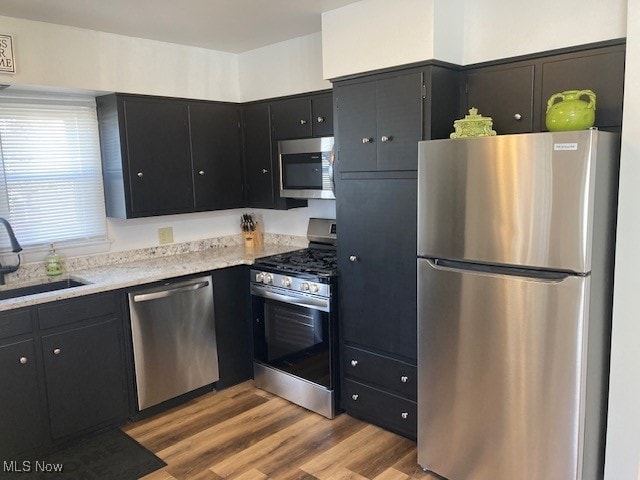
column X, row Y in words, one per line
column 268, row 278
column 304, row 287
column 314, row 288
column 286, row 282
column 259, row 277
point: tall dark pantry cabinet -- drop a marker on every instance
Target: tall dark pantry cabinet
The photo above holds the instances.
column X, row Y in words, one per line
column 379, row 120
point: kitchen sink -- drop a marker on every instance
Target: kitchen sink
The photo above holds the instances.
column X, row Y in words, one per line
column 40, row 288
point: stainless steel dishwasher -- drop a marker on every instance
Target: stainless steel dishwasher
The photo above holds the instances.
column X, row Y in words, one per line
column 174, row 339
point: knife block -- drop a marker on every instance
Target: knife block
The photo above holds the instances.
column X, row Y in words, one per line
column 254, row 238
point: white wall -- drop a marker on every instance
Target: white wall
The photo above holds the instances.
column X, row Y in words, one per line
column 623, row 436
column 374, row 34
column 285, row 68
column 58, row 56
column 499, row 29
column 143, row 232
column 449, row 30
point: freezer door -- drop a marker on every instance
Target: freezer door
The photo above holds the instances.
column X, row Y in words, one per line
column 500, row 368
column 523, row 200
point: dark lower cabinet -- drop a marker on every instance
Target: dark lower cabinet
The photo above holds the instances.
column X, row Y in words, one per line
column 84, row 377
column 64, row 377
column 377, row 264
column 21, row 418
column 231, row 304
column 377, row 275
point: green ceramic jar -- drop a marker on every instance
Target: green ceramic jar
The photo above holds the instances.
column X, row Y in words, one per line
column 571, row 112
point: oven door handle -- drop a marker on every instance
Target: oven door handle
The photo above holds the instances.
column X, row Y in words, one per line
column 302, row 301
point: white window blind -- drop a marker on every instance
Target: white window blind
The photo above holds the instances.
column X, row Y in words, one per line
column 50, row 179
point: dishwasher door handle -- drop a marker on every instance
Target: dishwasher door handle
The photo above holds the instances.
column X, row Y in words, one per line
column 145, row 297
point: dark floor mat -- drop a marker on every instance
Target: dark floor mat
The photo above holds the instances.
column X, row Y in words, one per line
column 111, row 455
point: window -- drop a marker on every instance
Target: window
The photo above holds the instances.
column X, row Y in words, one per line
column 50, row 172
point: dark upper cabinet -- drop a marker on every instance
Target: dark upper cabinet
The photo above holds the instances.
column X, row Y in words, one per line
column 603, row 73
column 515, row 94
column 216, row 155
column 381, row 119
column 505, row 95
column 21, row 418
column 164, row 156
column 261, row 162
column 302, row 117
column 322, row 115
column 258, row 156
column 156, row 145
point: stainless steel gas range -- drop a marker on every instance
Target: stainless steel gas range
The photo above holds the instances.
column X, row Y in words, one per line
column 295, row 330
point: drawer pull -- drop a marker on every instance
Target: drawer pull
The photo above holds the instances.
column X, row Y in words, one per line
column 404, row 415
column 354, row 397
column 23, row 360
column 367, row 140
column 517, row 116
column 354, row 363
column 303, row 122
column 320, row 119
column 56, row 351
column 404, row 379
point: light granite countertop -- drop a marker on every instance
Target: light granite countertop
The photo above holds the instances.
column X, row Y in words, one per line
column 123, row 275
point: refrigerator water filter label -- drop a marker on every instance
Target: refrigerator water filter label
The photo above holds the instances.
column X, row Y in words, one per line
column 565, row 146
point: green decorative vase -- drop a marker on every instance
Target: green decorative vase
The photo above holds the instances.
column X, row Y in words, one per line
column 571, row 113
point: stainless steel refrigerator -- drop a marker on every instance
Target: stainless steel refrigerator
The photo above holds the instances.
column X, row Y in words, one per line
column 515, row 263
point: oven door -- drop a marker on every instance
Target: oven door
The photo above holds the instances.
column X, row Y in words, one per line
column 292, row 333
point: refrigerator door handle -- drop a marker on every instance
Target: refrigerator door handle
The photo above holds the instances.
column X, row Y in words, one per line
column 541, row 275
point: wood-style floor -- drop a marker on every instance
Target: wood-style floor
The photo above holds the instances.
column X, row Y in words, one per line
column 247, row 434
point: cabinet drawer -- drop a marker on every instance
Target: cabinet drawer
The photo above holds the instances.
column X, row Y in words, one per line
column 63, row 313
column 15, row 323
column 390, row 411
column 381, row 371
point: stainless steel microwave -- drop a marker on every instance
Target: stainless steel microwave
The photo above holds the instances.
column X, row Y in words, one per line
column 306, row 168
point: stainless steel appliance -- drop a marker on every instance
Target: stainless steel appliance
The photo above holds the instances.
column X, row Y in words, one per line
column 515, row 260
column 306, row 168
column 295, row 327
column 174, row 339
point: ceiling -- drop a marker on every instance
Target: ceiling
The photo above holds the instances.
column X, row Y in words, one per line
column 233, row 26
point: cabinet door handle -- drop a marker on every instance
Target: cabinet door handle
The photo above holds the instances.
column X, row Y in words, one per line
column 517, row 116
column 264, row 170
column 367, row 140
column 386, row 138
column 201, row 172
column 354, row 397
column 353, row 258
column 320, row 119
column 23, row 360
column 303, row 122
column 56, row 351
column 354, row 363
column 404, row 415
column 140, row 174
column 404, row 379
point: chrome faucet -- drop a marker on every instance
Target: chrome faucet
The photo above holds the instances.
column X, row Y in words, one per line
column 16, row 249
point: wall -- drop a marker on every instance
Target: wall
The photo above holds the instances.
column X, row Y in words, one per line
column 373, row 34
column 90, row 62
column 623, row 436
column 73, row 58
column 143, row 232
column 498, row 29
column 285, row 68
